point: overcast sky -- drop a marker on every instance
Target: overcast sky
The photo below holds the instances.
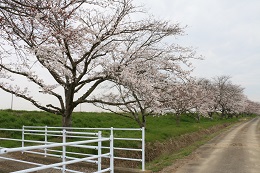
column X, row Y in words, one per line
column 225, row 32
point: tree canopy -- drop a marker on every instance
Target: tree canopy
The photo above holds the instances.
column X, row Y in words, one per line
column 81, row 44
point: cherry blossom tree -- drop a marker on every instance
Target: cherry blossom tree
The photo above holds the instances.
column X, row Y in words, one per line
column 139, row 90
column 182, row 97
column 252, row 107
column 178, row 100
column 229, row 97
column 77, row 45
column 203, row 99
column 210, row 91
column 130, row 102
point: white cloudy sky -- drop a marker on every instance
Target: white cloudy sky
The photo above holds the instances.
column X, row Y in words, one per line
column 225, row 32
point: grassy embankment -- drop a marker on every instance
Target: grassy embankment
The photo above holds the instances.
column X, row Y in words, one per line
column 159, row 130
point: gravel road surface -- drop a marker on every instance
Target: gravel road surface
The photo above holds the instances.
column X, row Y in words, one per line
column 235, row 151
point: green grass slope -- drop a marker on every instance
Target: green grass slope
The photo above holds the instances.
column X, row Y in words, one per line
column 158, row 130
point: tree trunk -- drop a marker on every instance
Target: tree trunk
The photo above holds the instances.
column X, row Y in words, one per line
column 67, row 116
column 69, row 106
column 198, row 118
column 144, row 121
column 223, row 114
column 66, row 121
column 138, row 120
column 178, row 119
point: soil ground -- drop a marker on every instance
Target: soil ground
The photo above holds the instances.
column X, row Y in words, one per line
column 10, row 166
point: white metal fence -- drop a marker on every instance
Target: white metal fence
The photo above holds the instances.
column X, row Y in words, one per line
column 43, row 140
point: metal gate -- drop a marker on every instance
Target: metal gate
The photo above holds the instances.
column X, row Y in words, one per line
column 43, row 140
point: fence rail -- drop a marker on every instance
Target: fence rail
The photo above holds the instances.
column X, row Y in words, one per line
column 88, row 138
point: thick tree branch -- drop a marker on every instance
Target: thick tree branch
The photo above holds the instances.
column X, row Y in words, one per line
column 34, row 102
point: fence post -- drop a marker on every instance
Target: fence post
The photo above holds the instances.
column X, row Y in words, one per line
column 112, row 150
column 45, row 140
column 64, row 150
column 22, row 138
column 99, row 151
column 143, row 149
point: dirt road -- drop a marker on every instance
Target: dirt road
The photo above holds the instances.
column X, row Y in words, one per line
column 11, row 166
column 235, row 151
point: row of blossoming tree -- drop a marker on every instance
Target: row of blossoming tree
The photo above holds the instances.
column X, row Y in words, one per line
column 227, row 98
column 199, row 97
column 69, row 49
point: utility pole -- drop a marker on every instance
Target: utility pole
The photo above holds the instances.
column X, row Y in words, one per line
column 12, row 99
